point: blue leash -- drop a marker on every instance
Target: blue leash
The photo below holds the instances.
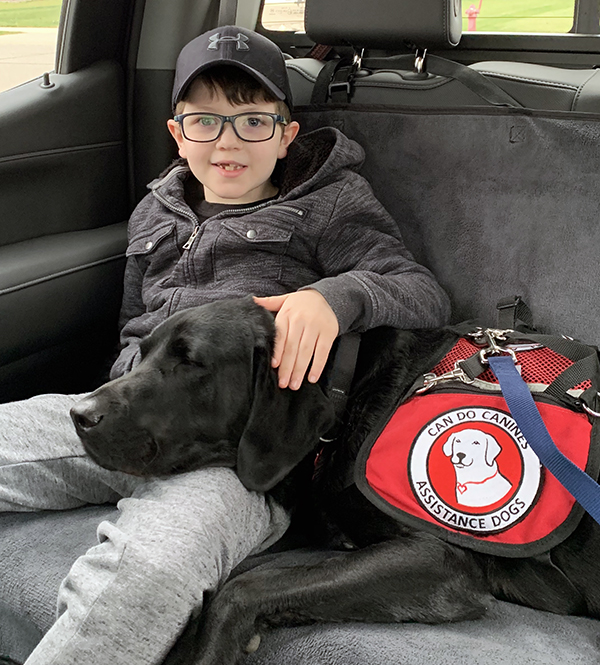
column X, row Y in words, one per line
column 523, row 409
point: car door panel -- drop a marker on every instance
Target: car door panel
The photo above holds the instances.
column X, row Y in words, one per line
column 62, row 154
column 63, row 201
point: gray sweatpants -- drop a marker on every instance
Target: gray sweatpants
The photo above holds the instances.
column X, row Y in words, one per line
column 126, row 600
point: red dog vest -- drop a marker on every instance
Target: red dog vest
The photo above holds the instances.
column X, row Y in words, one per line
column 453, row 461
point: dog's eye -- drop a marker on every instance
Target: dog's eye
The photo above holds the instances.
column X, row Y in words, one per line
column 186, row 361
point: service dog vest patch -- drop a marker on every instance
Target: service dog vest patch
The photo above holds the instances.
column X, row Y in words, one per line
column 453, row 461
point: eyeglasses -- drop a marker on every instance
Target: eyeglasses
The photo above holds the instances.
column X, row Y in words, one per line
column 251, row 127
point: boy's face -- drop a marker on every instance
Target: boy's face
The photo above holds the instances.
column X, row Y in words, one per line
column 231, row 170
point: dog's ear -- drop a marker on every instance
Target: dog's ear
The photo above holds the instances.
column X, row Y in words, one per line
column 492, row 449
column 283, row 427
column 448, row 448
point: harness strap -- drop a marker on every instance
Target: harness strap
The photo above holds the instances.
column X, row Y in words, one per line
column 339, row 380
column 513, row 314
column 523, row 409
column 579, row 371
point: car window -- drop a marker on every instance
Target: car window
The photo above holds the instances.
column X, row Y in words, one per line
column 283, row 15
column 518, row 15
column 550, row 16
column 28, row 31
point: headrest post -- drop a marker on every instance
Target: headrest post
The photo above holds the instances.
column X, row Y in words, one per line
column 357, row 60
column 340, row 88
column 420, row 55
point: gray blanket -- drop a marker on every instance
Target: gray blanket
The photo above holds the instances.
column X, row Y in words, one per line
column 496, row 202
column 36, row 551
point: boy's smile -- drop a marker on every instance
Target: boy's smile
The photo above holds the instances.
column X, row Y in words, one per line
column 231, row 170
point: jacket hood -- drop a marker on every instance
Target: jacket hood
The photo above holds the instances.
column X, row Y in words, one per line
column 317, row 156
column 313, row 159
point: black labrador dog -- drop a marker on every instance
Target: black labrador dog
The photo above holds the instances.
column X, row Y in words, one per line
column 205, row 394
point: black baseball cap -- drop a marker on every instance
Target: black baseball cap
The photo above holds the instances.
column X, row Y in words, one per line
column 231, row 45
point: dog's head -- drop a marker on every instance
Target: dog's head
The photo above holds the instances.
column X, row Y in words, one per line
column 471, row 447
column 205, row 394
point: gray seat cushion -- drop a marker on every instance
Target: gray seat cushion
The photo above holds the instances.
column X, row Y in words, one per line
column 37, row 550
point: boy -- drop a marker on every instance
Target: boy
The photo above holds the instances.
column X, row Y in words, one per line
column 311, row 242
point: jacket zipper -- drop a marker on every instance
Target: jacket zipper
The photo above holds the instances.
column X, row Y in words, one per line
column 245, row 211
column 190, row 240
column 186, row 213
column 180, row 210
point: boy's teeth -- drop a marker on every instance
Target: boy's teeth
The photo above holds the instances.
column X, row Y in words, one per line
column 230, row 167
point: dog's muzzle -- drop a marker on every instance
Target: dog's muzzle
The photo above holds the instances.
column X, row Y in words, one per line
column 99, row 427
column 85, row 416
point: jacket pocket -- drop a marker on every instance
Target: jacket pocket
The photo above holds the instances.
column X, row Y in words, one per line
column 148, row 242
column 157, row 255
column 252, row 247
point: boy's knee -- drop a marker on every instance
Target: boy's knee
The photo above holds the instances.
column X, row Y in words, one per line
column 198, row 505
column 176, row 537
column 132, row 573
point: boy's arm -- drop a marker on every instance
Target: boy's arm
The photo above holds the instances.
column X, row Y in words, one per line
column 133, row 323
column 370, row 277
column 132, row 307
column 371, row 280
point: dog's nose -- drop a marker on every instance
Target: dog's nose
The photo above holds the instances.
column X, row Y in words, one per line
column 85, row 415
column 461, row 457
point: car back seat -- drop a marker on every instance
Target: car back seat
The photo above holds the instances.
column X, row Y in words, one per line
column 497, row 198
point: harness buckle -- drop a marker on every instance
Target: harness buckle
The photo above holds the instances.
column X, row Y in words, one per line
column 491, row 337
column 457, row 374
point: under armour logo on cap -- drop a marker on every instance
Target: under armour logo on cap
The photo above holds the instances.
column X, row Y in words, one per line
column 216, row 39
column 233, row 46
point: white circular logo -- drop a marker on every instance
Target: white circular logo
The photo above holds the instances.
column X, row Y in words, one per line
column 472, row 470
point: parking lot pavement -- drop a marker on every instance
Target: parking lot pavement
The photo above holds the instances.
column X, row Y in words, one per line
column 25, row 53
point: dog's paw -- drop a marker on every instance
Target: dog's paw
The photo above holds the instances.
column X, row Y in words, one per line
column 228, row 631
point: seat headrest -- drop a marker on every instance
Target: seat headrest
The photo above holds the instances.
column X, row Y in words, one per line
column 384, row 23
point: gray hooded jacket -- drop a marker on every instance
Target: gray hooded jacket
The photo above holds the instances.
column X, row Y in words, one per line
column 325, row 231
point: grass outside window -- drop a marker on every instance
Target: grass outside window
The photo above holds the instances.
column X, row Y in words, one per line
column 533, row 16
column 520, row 15
column 30, row 13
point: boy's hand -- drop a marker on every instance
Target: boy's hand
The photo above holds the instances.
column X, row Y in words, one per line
column 306, row 329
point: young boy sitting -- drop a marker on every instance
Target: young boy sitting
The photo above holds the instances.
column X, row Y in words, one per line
column 251, row 209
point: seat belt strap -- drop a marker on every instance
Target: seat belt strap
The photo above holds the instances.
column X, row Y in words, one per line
column 476, row 82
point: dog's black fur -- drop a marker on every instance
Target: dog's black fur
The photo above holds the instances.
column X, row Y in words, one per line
column 205, row 394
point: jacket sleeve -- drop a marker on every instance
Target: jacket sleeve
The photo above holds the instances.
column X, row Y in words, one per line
column 132, row 305
column 371, row 279
column 132, row 308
